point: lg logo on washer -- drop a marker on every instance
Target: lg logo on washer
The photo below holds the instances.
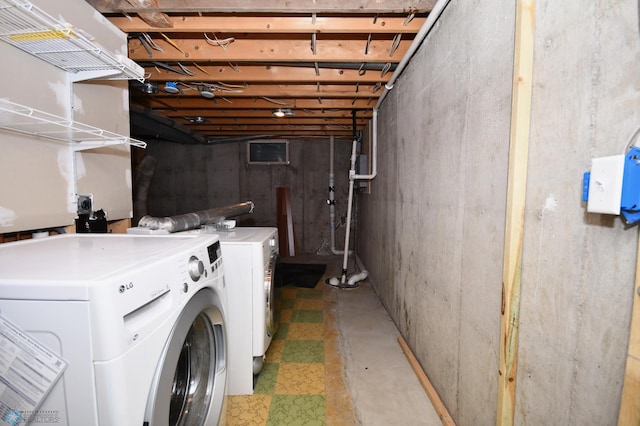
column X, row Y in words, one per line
column 125, row 287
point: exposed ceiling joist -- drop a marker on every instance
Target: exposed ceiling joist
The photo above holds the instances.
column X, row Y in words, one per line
column 270, row 73
column 248, row 114
column 276, row 24
column 243, row 103
column 290, row 91
column 323, row 60
column 268, row 49
column 261, row 6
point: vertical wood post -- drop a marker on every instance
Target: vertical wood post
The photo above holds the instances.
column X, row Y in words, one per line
column 630, row 404
column 286, row 235
column 514, row 224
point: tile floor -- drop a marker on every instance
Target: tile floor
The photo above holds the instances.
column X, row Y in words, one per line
column 335, row 360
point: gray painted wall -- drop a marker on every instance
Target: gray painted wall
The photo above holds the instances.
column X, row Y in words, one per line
column 191, row 178
column 431, row 233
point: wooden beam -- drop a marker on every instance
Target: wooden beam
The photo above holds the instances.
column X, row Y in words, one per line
column 629, row 413
column 261, row 6
column 275, row 24
column 266, row 73
column 284, row 91
column 262, row 113
column 243, row 103
column 292, row 134
column 514, row 225
column 265, row 128
column 432, row 394
column 269, row 50
column 268, row 121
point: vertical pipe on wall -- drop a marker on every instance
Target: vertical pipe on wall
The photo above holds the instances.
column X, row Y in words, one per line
column 331, row 201
column 514, row 223
column 435, row 13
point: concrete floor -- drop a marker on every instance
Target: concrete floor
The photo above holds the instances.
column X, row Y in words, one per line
column 383, row 387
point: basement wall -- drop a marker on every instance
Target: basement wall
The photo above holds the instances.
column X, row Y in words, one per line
column 431, row 234
column 191, row 178
column 578, row 268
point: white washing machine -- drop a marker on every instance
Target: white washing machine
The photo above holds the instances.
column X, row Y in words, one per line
column 140, row 320
column 250, row 255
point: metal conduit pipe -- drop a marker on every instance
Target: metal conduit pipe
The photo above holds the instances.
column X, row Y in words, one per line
column 195, row 220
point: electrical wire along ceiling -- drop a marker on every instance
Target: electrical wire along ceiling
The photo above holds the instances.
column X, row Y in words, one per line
column 247, row 69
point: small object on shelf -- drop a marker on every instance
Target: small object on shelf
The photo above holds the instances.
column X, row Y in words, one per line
column 32, row 30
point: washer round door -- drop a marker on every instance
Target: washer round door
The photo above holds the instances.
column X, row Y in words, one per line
column 272, row 296
column 189, row 385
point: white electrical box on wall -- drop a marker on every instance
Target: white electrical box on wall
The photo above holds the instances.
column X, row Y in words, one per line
column 605, row 186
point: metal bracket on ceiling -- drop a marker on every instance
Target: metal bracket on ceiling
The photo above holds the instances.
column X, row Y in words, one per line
column 313, row 43
column 313, row 18
column 385, row 69
column 377, row 87
column 320, row 101
column 234, row 67
column 366, row 48
column 408, row 19
column 317, row 67
column 357, row 87
column 362, row 70
column 395, row 44
column 195, row 64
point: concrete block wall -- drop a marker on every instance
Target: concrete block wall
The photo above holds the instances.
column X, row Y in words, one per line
column 191, row 178
column 431, row 233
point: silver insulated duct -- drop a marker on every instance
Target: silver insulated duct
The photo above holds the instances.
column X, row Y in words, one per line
column 195, row 220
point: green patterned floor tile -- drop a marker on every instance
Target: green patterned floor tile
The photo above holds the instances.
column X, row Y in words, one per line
column 307, row 316
column 267, row 379
column 297, row 410
column 303, row 351
column 288, row 303
column 281, row 334
column 309, row 294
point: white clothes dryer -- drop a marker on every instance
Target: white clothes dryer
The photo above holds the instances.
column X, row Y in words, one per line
column 250, row 255
column 140, row 320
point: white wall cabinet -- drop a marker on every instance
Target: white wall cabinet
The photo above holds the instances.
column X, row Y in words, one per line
column 41, row 177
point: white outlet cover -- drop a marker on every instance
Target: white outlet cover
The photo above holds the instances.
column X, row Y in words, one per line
column 605, row 184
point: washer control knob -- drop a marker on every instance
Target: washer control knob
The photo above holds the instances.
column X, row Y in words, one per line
column 196, row 268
